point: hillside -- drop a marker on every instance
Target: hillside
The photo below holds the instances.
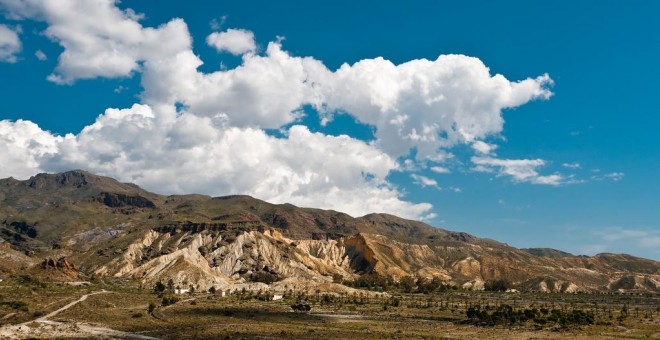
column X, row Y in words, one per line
column 105, row 227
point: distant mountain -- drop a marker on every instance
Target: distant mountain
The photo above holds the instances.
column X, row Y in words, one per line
column 105, row 227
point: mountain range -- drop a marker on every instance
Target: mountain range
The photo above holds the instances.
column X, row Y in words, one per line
column 75, row 225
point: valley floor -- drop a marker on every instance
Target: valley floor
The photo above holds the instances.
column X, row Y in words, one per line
column 119, row 311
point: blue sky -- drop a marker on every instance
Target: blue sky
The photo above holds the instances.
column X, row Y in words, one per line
column 595, row 133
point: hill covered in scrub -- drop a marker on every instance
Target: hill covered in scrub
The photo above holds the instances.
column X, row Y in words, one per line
column 104, row 227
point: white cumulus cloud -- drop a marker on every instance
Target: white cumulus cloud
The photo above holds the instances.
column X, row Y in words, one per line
column 422, row 104
column 99, row 39
column 234, row 41
column 264, row 92
column 425, row 104
column 216, row 143
column 194, row 154
column 24, row 146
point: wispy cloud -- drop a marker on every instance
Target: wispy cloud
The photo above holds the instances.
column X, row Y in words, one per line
column 610, row 239
column 483, row 147
column 614, row 176
column 216, row 24
column 520, row 170
column 424, row 181
column 440, row 170
column 39, row 54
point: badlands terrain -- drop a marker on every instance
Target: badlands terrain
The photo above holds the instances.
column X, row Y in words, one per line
column 89, row 256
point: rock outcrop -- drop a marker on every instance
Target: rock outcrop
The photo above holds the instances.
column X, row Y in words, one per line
column 61, row 265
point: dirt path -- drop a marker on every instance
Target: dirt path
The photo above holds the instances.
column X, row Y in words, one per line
column 45, row 328
column 179, row 302
column 51, row 314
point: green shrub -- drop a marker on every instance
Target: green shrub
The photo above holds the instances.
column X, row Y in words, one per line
column 169, row 300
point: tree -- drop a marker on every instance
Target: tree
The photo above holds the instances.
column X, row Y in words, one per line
column 301, row 307
column 170, row 286
column 151, row 308
column 212, row 290
column 159, row 287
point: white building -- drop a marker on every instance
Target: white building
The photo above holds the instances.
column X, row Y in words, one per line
column 181, row 291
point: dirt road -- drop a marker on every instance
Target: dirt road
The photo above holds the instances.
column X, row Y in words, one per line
column 45, row 328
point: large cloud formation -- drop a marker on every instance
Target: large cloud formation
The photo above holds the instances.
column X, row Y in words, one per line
column 205, row 132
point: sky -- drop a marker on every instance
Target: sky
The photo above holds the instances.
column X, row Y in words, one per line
column 533, row 123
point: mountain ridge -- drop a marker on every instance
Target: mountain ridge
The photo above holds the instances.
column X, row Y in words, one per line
column 110, row 228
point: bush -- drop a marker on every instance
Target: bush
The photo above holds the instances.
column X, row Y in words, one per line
column 497, row 286
column 169, row 300
column 301, row 307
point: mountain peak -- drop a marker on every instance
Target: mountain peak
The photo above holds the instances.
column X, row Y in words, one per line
column 75, row 178
column 79, row 179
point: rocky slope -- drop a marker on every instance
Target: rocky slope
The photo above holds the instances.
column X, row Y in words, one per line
column 103, row 227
